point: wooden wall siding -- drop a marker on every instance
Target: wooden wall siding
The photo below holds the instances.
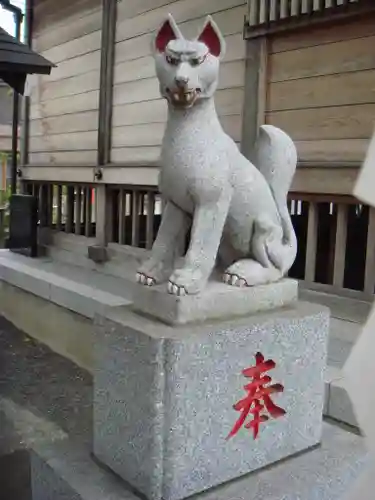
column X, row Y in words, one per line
column 321, row 90
column 139, row 114
column 64, row 105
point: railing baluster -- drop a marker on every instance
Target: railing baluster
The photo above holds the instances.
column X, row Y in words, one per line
column 284, row 8
column 150, row 219
column 295, row 7
column 59, row 207
column 264, row 13
column 309, row 6
column 35, row 189
column 43, row 205
column 275, row 10
column 370, row 253
column 340, row 245
column 311, row 244
column 69, row 209
column 78, row 211
column 88, row 211
column 135, row 218
column 122, row 217
column 49, row 215
column 254, row 10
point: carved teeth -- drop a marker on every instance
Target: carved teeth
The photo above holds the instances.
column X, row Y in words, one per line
column 183, row 98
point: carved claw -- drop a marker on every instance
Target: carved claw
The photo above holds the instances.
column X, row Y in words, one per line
column 173, row 289
column 234, row 280
column 145, row 280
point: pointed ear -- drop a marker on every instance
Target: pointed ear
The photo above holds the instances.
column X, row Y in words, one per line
column 212, row 37
column 168, row 31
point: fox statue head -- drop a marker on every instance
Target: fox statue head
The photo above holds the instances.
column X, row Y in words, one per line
column 187, row 70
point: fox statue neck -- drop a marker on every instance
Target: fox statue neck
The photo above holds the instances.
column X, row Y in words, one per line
column 203, row 112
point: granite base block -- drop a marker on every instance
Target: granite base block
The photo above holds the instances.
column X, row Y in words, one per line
column 164, row 396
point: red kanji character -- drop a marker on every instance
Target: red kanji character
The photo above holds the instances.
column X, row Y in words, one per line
column 258, row 393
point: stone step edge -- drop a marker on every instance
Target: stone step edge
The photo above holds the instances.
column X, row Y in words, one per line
column 338, row 405
column 64, row 469
column 77, row 297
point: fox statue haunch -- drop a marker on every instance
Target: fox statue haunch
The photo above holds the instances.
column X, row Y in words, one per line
column 237, row 211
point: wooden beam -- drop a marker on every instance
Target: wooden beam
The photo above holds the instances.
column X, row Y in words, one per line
column 59, row 173
column 255, row 93
column 325, row 180
column 103, row 210
column 106, row 80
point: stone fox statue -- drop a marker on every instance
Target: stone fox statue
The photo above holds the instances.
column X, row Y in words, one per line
column 236, row 211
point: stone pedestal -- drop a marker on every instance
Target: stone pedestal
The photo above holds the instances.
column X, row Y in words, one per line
column 217, row 301
column 164, row 396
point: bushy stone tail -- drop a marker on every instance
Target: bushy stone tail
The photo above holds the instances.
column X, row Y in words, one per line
column 275, row 156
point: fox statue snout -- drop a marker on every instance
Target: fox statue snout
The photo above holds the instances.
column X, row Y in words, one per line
column 182, row 82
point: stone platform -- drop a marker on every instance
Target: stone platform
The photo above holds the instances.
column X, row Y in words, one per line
column 217, row 301
column 63, row 471
column 164, row 396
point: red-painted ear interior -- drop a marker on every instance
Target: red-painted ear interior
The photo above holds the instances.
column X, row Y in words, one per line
column 164, row 36
column 210, row 38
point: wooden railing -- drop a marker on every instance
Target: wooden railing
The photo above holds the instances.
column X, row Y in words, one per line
column 69, row 208
column 267, row 17
column 336, row 237
column 135, row 215
column 336, row 234
column 268, row 11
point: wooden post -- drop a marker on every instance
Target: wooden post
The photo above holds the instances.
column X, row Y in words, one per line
column 25, row 120
column 104, row 210
column 255, row 92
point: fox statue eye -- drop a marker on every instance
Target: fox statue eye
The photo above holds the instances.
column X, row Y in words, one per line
column 196, row 61
column 172, row 60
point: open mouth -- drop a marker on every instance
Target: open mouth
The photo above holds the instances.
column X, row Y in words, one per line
column 183, row 98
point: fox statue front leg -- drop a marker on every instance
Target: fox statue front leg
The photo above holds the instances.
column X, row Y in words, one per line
column 208, row 224
column 166, row 248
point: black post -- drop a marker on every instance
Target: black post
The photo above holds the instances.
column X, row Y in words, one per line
column 13, row 186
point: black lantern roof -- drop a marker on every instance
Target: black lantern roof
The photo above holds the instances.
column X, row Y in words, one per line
column 17, row 61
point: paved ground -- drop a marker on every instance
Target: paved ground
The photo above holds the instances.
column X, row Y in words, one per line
column 43, row 398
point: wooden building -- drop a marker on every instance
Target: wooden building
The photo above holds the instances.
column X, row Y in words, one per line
column 93, row 128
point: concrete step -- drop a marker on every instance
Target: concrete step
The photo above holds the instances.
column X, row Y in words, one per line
column 338, row 405
column 80, row 290
column 63, row 471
